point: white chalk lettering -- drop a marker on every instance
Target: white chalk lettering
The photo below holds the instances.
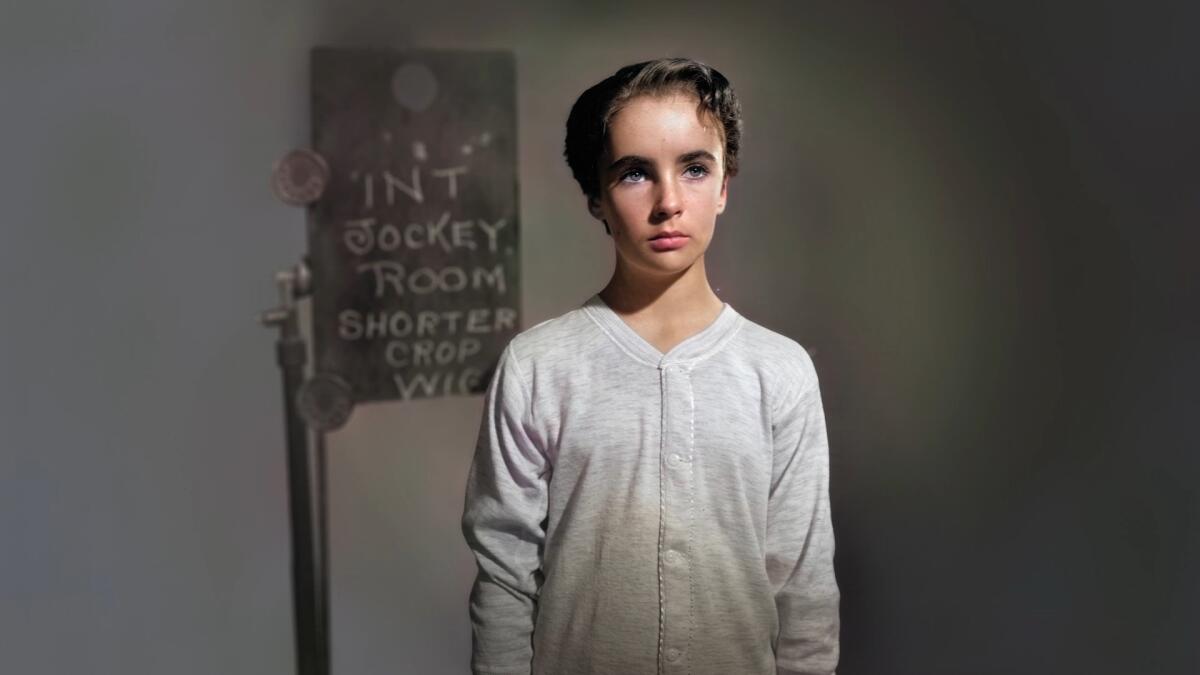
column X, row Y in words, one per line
column 464, row 382
column 393, row 183
column 435, row 230
column 389, row 277
column 357, row 325
column 451, row 174
column 361, row 236
column 462, row 236
column 358, row 237
column 495, row 278
column 430, row 353
column 492, row 231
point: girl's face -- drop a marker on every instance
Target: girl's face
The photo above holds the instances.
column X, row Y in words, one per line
column 663, row 172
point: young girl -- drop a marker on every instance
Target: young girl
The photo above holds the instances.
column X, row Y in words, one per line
column 649, row 491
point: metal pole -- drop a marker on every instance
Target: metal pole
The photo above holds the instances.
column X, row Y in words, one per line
column 309, row 574
column 322, row 555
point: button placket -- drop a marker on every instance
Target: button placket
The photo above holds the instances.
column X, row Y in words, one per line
column 677, row 517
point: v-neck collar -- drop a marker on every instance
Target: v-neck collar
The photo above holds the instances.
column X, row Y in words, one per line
column 693, row 348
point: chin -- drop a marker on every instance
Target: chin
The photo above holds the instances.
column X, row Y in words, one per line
column 665, row 264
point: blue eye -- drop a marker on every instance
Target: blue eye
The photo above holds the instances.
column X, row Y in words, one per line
column 696, row 171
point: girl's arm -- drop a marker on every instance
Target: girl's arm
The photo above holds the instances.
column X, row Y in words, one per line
column 800, row 543
column 503, row 515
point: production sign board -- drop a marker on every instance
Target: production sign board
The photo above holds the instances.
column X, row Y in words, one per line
column 414, row 243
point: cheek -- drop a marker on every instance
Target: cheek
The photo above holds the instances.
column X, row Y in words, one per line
column 630, row 204
column 707, row 197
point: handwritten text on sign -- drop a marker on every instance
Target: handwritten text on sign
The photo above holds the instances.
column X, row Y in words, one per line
column 419, row 341
column 419, row 290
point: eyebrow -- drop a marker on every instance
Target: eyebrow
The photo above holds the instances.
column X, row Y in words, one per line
column 637, row 160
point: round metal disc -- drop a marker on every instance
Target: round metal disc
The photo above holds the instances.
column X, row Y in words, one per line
column 414, row 86
column 325, row 402
column 300, row 177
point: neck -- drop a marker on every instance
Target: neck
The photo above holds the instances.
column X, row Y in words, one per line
column 670, row 296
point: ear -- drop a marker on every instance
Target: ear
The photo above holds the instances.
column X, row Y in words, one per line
column 724, row 194
column 593, row 206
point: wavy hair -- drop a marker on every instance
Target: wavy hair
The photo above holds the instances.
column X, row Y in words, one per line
column 592, row 113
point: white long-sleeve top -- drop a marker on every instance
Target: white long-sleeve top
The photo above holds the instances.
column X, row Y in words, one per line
column 634, row 513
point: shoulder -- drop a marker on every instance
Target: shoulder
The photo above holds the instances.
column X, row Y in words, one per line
column 789, row 365
column 552, row 339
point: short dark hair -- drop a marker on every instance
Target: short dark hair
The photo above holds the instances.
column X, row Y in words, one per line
column 588, row 122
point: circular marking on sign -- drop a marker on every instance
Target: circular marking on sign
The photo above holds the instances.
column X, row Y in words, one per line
column 300, row 177
column 414, row 86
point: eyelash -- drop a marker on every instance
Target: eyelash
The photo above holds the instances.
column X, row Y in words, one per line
column 703, row 168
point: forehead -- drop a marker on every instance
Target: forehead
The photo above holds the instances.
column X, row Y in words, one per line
column 667, row 123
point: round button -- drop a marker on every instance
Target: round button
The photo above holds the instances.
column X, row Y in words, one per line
column 675, row 458
column 672, row 654
column 672, row 557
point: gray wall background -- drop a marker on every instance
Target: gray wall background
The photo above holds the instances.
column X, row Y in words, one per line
column 980, row 217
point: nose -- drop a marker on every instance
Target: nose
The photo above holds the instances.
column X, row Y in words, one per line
column 669, row 200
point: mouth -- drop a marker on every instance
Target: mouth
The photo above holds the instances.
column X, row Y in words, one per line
column 669, row 241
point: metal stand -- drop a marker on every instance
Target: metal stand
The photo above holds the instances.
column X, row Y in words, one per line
column 306, row 492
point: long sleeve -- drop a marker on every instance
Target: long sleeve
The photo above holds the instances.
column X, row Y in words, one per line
column 800, row 542
column 503, row 521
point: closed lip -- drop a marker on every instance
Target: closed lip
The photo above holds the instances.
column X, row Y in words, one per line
column 667, row 233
